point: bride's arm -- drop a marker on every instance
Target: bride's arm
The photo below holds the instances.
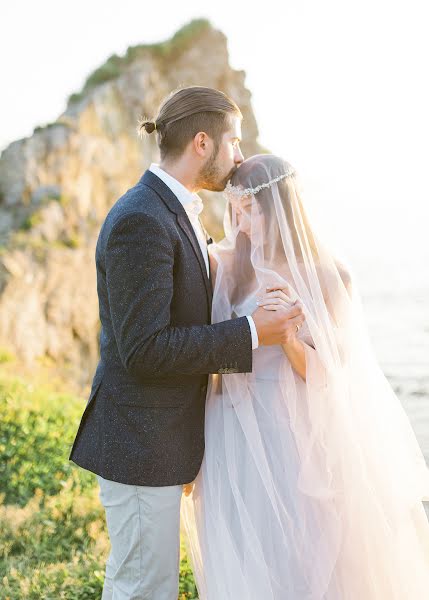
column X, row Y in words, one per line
column 295, row 351
column 294, row 347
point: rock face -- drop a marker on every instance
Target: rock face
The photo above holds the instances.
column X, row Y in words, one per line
column 57, row 186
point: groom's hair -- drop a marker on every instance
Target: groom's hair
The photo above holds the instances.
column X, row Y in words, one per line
column 184, row 113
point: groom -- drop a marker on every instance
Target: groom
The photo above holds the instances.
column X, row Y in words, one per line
column 142, row 431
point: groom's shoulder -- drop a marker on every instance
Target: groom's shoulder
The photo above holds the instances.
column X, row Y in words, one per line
column 140, row 201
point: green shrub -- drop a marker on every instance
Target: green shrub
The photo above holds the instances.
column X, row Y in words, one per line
column 37, row 428
column 6, row 356
column 53, row 537
column 75, row 98
column 73, row 240
column 109, row 70
column 31, row 221
column 187, row 587
column 54, row 549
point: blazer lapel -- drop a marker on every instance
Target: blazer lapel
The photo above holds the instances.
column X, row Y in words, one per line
column 175, row 206
column 186, row 226
column 209, row 241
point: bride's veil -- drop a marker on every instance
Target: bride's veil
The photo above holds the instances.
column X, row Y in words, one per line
column 340, row 495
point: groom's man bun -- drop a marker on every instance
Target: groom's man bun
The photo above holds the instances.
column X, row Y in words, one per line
column 148, row 126
column 187, row 111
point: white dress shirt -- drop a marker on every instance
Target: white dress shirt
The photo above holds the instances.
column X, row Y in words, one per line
column 189, row 200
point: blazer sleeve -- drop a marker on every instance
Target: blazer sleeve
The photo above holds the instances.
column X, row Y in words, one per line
column 139, row 262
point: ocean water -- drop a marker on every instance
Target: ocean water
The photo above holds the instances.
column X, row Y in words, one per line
column 385, row 243
column 395, row 297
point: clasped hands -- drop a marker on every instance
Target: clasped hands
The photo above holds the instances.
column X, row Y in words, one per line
column 284, row 300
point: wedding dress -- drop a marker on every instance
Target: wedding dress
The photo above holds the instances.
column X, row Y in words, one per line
column 310, row 489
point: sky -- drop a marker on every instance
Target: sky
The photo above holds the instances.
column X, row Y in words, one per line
column 338, row 88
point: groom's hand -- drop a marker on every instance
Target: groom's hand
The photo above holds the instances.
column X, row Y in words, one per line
column 277, row 326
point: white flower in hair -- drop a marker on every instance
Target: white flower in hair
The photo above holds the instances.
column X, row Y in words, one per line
column 234, row 193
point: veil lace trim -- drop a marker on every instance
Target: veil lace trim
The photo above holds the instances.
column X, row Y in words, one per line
column 233, row 192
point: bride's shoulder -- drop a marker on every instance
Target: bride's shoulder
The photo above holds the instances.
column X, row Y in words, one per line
column 345, row 274
column 331, row 274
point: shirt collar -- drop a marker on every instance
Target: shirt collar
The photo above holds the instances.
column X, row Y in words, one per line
column 183, row 195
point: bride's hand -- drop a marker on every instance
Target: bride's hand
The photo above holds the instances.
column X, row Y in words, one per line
column 281, row 299
column 275, row 298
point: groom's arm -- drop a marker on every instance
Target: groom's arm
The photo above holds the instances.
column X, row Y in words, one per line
column 139, row 263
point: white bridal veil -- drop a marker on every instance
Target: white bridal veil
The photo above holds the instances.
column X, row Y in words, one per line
column 309, row 489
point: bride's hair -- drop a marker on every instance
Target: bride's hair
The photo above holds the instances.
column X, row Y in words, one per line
column 261, row 169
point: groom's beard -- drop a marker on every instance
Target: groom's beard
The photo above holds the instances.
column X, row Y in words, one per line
column 211, row 177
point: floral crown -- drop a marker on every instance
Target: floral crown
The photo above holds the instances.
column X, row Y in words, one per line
column 234, row 193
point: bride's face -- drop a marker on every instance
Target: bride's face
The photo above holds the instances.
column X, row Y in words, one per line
column 248, row 217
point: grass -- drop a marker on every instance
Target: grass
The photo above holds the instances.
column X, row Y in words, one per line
column 53, row 538
column 115, row 65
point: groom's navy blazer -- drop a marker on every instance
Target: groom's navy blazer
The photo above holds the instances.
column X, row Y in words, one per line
column 144, row 420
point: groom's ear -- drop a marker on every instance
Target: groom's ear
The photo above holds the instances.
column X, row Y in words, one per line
column 202, row 144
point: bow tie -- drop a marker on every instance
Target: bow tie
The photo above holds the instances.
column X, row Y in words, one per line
column 194, row 207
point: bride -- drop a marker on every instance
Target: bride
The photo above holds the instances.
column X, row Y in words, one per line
column 312, row 481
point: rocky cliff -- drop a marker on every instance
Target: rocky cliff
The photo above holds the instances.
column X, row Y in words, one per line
column 57, row 185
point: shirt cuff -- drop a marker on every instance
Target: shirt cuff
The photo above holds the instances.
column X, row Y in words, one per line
column 255, row 339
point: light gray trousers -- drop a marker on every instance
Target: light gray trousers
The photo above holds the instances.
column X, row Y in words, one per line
column 144, row 529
